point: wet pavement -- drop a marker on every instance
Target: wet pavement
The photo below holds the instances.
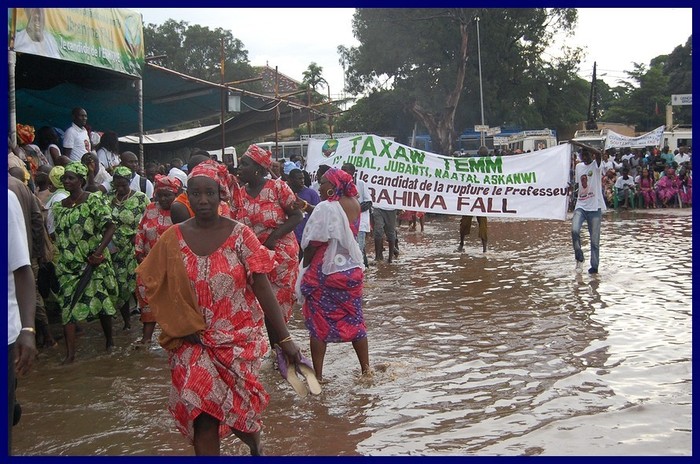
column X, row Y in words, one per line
column 508, row 352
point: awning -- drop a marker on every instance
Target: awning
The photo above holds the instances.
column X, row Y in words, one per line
column 241, row 128
column 47, row 90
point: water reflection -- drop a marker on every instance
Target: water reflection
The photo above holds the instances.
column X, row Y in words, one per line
column 505, row 353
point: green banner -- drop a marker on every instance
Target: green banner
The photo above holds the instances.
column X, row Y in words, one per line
column 109, row 38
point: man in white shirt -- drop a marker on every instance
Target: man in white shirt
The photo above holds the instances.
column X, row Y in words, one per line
column 682, row 155
column 21, row 305
column 624, row 187
column 34, row 39
column 76, row 140
column 590, row 205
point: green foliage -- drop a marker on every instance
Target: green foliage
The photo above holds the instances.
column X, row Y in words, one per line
column 418, row 53
column 679, row 69
column 196, row 51
column 379, row 113
column 313, row 77
column 642, row 101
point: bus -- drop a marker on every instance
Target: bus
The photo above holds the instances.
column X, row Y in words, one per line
column 469, row 142
column 677, row 136
column 284, row 150
column 529, row 140
column 594, row 138
column 299, row 147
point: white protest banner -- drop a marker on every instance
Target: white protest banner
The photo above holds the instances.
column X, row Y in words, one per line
column 531, row 185
column 650, row 139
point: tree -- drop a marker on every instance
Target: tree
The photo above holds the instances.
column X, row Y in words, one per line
column 196, row 51
column 641, row 101
column 679, row 69
column 313, row 78
column 378, row 113
column 431, row 56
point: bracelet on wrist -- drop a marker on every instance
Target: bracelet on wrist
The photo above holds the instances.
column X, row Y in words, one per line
column 287, row 339
column 28, row 329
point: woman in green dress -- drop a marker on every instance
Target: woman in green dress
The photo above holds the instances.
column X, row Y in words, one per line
column 127, row 208
column 84, row 227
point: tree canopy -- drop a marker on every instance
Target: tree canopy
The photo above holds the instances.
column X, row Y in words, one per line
column 431, row 57
column 196, row 51
column 412, row 57
column 641, row 99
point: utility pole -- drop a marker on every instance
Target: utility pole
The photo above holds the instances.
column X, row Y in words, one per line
column 592, row 122
column 481, row 87
column 224, row 95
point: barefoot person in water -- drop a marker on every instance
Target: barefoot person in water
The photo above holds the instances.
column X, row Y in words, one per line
column 88, row 286
column 206, row 283
column 332, row 282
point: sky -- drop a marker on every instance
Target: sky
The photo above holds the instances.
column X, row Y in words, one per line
column 290, row 39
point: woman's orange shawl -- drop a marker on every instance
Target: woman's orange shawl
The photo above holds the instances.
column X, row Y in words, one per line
column 169, row 292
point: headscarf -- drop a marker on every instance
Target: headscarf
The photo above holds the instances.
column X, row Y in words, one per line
column 215, row 171
column 78, row 168
column 260, row 156
column 288, row 167
column 122, row 171
column 25, row 134
column 180, row 175
column 55, row 176
column 167, row 183
column 342, row 181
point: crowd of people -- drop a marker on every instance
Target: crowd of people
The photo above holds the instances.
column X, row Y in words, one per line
column 647, row 178
column 218, row 258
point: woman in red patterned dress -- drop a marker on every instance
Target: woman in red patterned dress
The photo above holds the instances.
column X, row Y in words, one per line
column 268, row 207
column 332, row 281
column 155, row 221
column 220, row 267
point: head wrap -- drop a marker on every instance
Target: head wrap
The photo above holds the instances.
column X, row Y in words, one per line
column 55, row 176
column 260, row 156
column 25, row 134
column 167, row 183
column 78, row 168
column 215, row 171
column 122, row 171
column 288, row 166
column 180, row 175
column 342, row 181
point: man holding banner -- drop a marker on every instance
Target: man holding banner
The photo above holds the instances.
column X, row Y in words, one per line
column 589, row 205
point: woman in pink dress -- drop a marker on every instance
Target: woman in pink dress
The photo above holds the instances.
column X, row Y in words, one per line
column 332, row 282
column 206, row 282
column 155, row 221
column 645, row 184
column 667, row 187
column 267, row 206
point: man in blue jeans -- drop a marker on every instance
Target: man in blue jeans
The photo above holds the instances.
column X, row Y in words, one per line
column 590, row 205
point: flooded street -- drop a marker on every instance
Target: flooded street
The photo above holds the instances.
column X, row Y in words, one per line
column 504, row 353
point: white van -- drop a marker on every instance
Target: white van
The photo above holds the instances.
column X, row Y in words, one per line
column 530, row 140
column 594, row 138
column 678, row 135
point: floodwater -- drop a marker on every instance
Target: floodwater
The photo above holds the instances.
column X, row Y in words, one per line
column 504, row 353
